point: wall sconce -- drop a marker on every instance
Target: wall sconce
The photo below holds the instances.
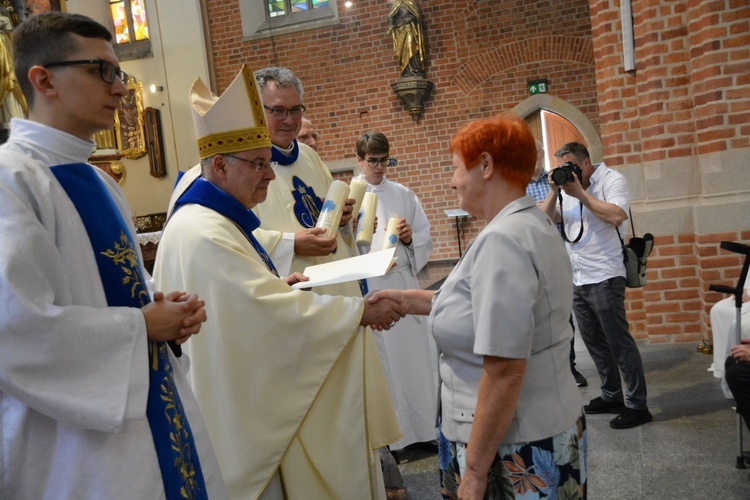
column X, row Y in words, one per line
column 348, row 4
column 156, row 88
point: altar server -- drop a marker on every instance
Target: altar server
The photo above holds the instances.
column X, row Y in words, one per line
column 93, row 403
column 408, row 353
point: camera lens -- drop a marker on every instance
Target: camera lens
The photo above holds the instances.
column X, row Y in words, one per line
column 560, row 176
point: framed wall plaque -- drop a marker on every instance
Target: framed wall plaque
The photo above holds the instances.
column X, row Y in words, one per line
column 154, row 142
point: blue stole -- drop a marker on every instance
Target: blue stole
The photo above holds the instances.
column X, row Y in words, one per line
column 283, row 159
column 120, row 271
column 202, row 192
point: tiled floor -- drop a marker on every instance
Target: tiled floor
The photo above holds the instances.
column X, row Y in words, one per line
column 687, row 452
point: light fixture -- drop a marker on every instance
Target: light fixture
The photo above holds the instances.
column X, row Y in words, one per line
column 348, row 4
column 156, row 88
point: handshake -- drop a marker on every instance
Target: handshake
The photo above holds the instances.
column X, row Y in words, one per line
column 382, row 310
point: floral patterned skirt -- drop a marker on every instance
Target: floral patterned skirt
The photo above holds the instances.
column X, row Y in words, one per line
column 554, row 467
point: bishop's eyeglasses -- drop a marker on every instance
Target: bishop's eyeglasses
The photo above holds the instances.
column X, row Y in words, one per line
column 259, row 165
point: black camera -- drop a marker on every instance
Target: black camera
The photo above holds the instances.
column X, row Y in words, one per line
column 564, row 173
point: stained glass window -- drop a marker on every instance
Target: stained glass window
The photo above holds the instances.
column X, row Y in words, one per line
column 119, row 16
column 276, row 8
column 140, row 23
column 130, row 22
column 283, row 7
column 299, row 5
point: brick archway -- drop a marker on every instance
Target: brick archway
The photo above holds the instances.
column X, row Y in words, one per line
column 480, row 68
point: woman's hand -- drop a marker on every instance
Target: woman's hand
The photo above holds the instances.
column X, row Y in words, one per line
column 418, row 301
column 384, row 313
column 472, row 486
column 499, row 388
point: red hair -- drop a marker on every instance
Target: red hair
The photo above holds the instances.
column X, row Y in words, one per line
column 506, row 138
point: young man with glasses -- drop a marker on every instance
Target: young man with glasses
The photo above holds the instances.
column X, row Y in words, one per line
column 93, row 401
column 407, row 351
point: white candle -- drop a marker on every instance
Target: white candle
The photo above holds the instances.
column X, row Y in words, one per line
column 366, row 222
column 391, row 233
column 357, row 189
column 333, row 207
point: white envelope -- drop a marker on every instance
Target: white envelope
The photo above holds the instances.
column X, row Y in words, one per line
column 354, row 268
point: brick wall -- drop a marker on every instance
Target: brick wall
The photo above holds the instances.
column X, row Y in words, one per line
column 481, row 58
column 687, row 102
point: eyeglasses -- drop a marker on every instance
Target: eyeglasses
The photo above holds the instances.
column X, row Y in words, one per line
column 107, row 71
column 387, row 161
column 260, row 165
column 281, row 113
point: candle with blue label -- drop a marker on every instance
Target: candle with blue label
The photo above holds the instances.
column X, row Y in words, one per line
column 330, row 214
column 366, row 223
column 391, row 233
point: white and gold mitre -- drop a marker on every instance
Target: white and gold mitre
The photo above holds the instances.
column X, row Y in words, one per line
column 233, row 122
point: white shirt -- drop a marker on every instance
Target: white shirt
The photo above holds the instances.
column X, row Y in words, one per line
column 598, row 255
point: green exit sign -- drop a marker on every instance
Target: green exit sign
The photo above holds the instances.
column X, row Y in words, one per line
column 537, row 87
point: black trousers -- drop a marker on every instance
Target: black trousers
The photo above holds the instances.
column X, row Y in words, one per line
column 737, row 374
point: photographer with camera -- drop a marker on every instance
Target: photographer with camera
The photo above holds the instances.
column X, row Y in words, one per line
column 594, row 202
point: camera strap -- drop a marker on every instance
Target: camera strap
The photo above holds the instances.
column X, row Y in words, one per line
column 619, row 236
column 622, row 242
column 562, row 221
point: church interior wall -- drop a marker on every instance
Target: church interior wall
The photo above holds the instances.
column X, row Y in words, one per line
column 677, row 126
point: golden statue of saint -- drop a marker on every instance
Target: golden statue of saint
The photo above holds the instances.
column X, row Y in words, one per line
column 405, row 25
column 12, row 100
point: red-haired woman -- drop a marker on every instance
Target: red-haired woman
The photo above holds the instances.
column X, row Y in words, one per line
column 511, row 410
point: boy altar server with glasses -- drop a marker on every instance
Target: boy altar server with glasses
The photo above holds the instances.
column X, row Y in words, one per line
column 407, row 351
column 93, row 402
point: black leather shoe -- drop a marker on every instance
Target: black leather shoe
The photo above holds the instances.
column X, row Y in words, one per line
column 580, row 379
column 598, row 405
column 631, row 418
column 429, row 446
